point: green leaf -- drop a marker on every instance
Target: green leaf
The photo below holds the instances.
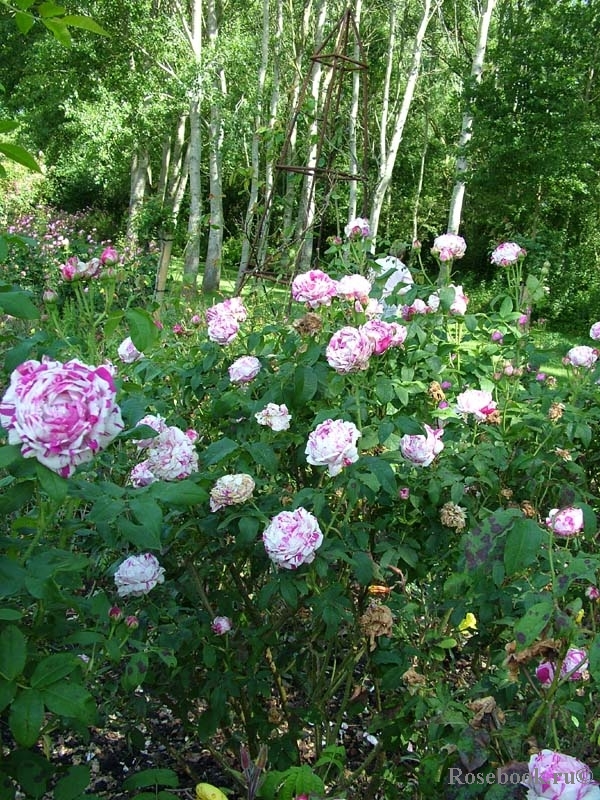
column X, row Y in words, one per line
column 8, row 690
column 9, row 453
column 142, row 329
column 523, row 544
column 55, row 487
column 13, row 652
column 178, row 493
column 217, row 451
column 151, row 777
column 53, row 668
column 594, row 658
column 69, row 700
column 135, row 672
column 7, row 125
column 139, row 535
column 24, row 22
column 74, row 783
column 19, row 494
column 536, row 618
column 17, row 303
column 12, row 578
column 21, row 156
column 305, row 384
column 26, row 717
column 49, row 9
column 263, row 455
column 363, row 567
column 85, row 23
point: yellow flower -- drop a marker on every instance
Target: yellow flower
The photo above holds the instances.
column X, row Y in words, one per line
column 206, row 791
column 579, row 617
column 470, row 621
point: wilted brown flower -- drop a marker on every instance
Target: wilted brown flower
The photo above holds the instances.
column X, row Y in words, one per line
column 555, row 411
column 413, row 678
column 309, row 324
column 528, row 509
column 487, row 714
column 564, row 454
column 376, row 621
column 546, row 649
column 505, row 492
column 551, row 381
column 436, row 392
column 495, row 418
column 453, row 516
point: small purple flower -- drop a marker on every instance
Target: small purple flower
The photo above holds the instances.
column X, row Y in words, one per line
column 497, row 336
column 221, row 625
column 404, row 493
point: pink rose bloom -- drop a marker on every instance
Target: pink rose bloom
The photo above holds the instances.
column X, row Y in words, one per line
column 138, row 575
column 221, row 625
column 171, row 456
column 595, row 331
column 358, row 228
column 497, row 336
column 557, row 776
column 60, row 414
column 354, row 287
column 276, row 417
column 404, row 493
column 141, row 475
column 592, row 592
column 128, row 352
column 399, row 334
column 196, row 320
column 507, row 253
column 418, row 307
column 232, row 307
column 73, row 268
column 292, row 537
column 332, row 444
column 460, row 302
column 152, row 421
column 381, row 333
column 582, row 356
column 178, row 329
column 222, row 328
column 349, row 350
column 545, row 673
column 576, row 659
column 231, row 490
column 477, row 402
column 109, row 256
column 244, row 369
column 93, row 268
column 449, row 246
column 421, row 449
column 565, row 521
column 314, row 287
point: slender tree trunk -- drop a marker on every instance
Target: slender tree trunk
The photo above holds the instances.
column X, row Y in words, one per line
column 387, row 164
column 249, row 226
column 192, row 248
column 353, row 122
column 306, row 213
column 458, row 192
column 139, row 178
column 214, row 253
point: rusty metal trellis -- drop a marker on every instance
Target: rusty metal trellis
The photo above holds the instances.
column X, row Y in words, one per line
column 332, row 54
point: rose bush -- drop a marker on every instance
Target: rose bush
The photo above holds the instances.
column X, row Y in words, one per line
column 394, row 614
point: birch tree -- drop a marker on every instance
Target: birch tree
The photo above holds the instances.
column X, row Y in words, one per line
column 193, row 34
column 458, row 192
column 388, row 158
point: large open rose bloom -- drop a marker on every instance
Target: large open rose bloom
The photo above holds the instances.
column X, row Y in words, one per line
column 449, row 246
column 507, row 253
column 274, row 416
column 332, row 444
column 137, row 575
column 231, row 490
column 172, row 456
column 354, row 287
column 61, row 414
column 244, row 369
column 314, row 287
column 477, row 402
column 349, row 350
column 557, row 776
column 421, row 449
column 292, row 537
column 565, row 521
column 582, row 356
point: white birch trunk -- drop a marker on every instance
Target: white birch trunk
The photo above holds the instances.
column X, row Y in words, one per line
column 137, row 191
column 249, row 221
column 353, row 122
column 192, row 248
column 458, row 192
column 387, row 164
column 214, row 253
